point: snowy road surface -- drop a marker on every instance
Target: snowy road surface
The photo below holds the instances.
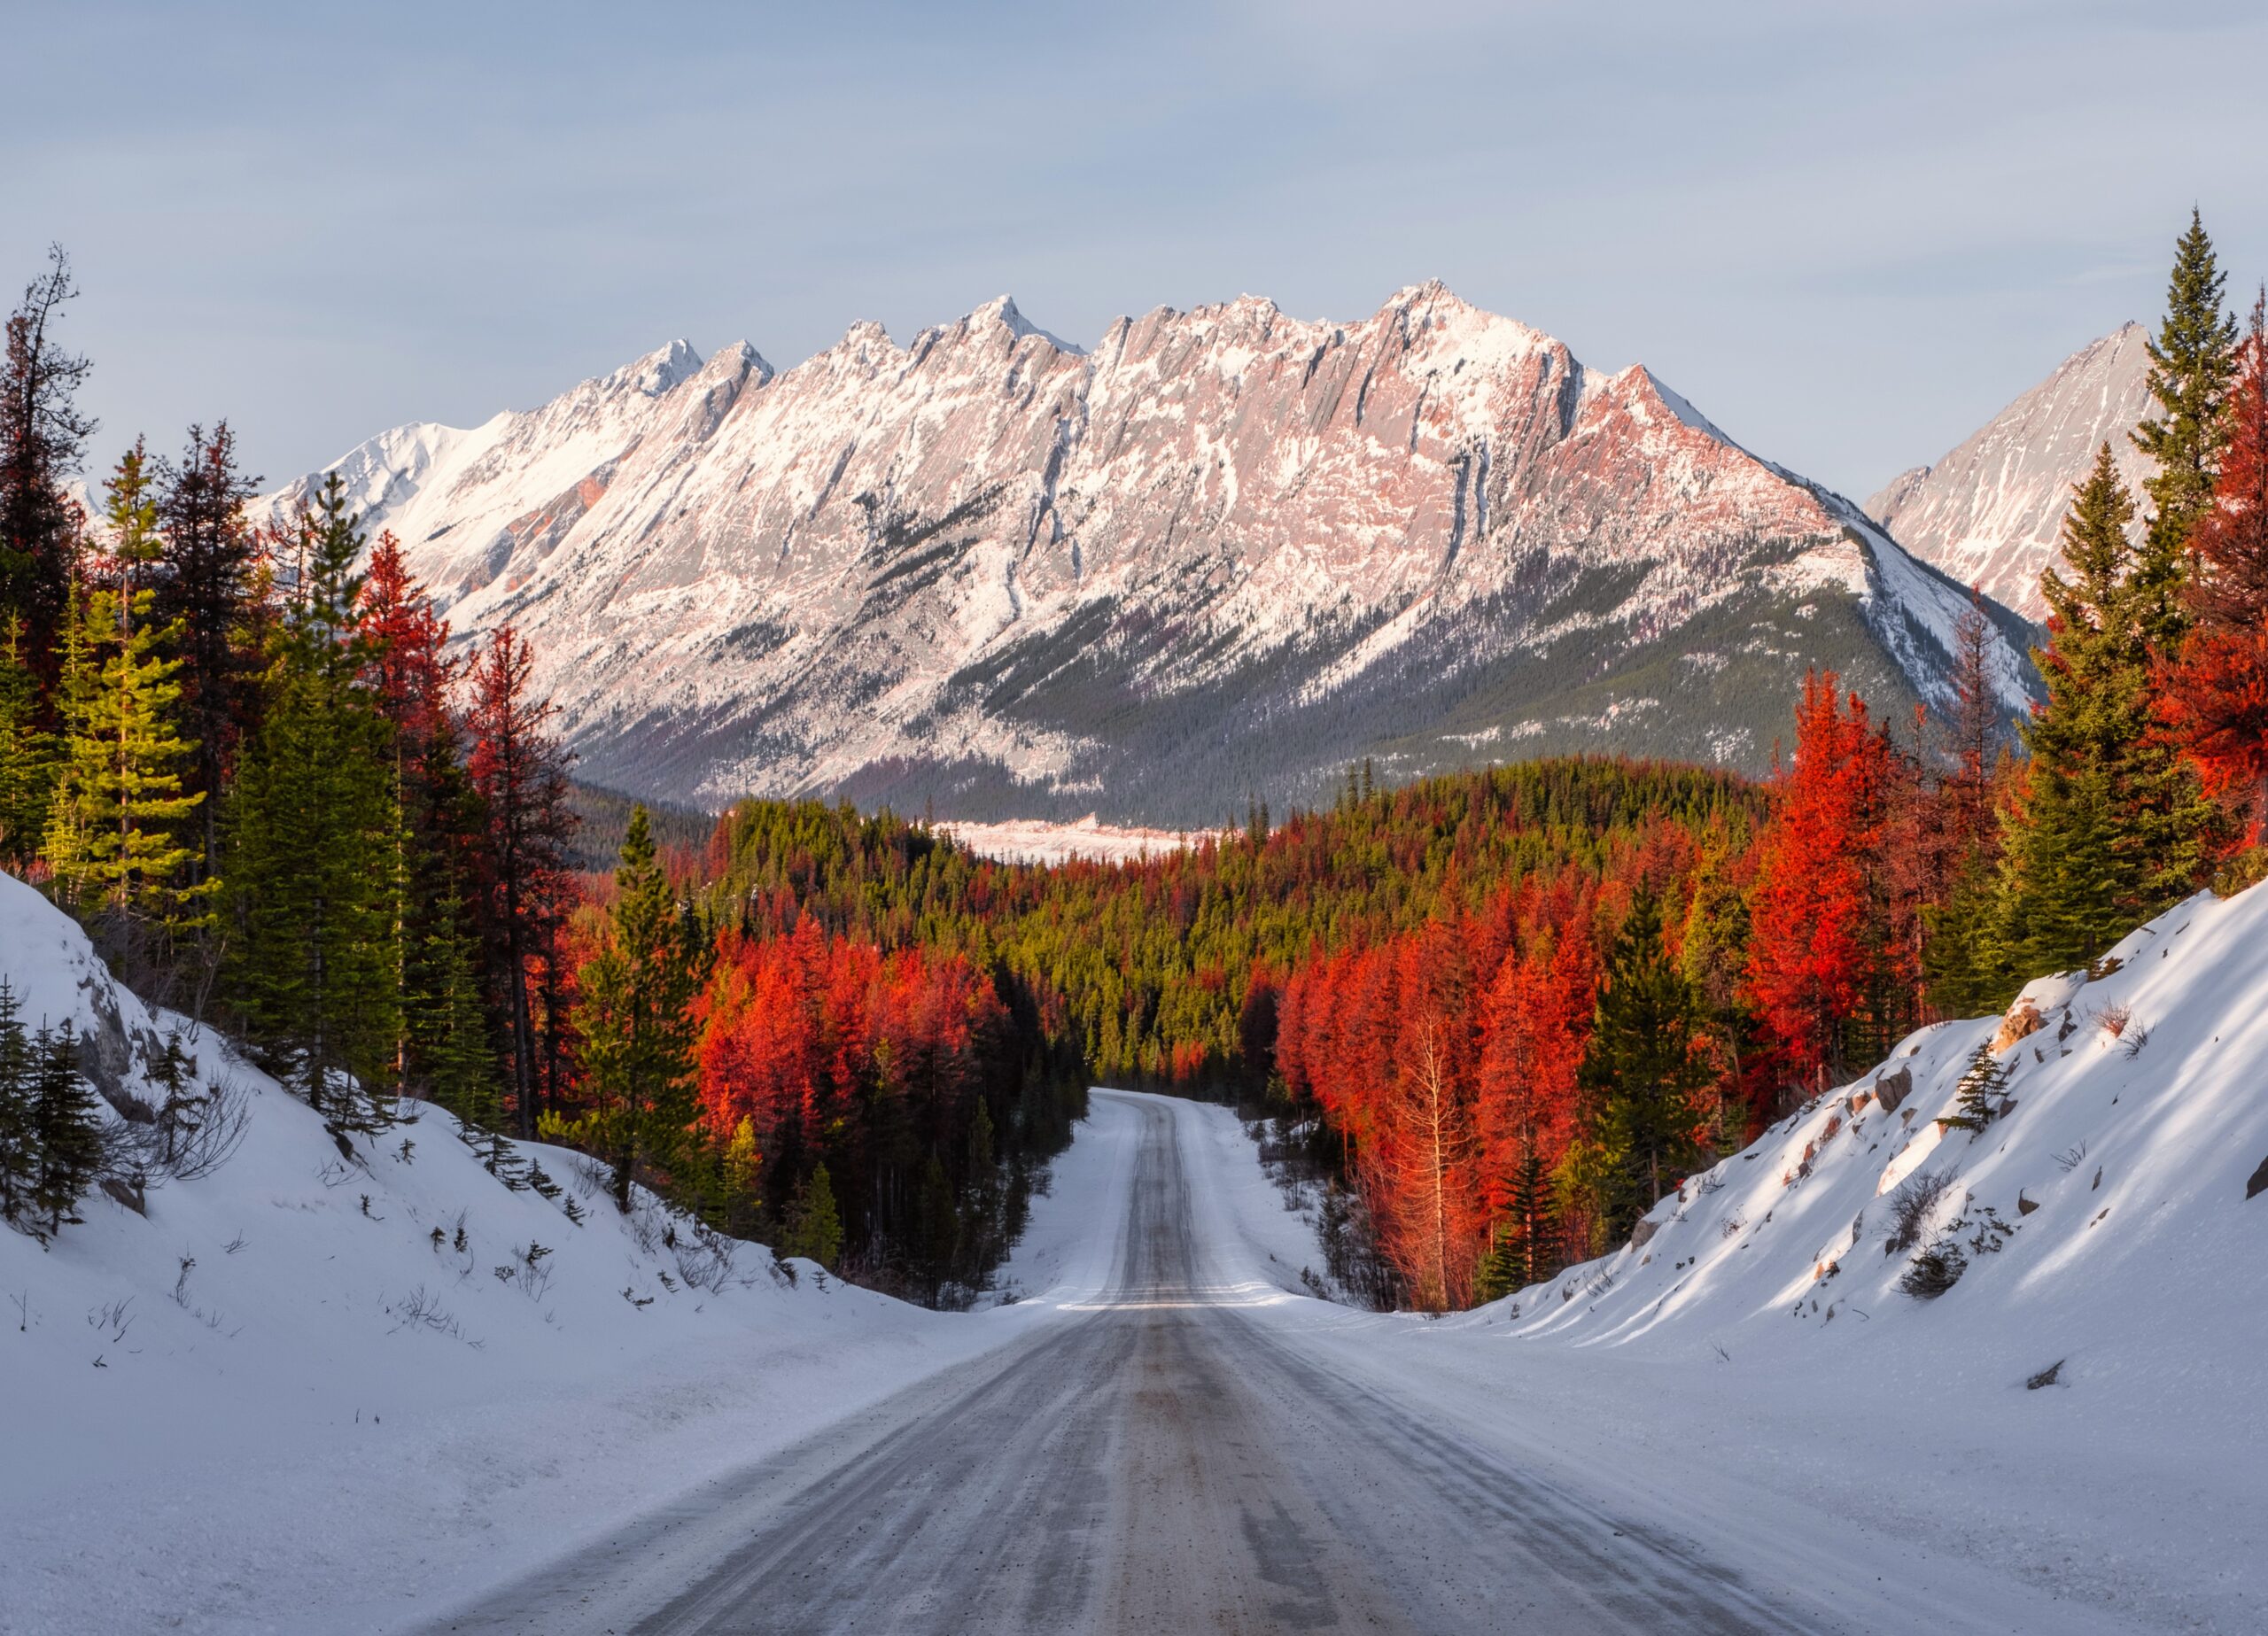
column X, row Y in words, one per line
column 1165, row 1458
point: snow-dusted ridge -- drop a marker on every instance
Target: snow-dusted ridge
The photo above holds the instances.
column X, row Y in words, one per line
column 992, row 572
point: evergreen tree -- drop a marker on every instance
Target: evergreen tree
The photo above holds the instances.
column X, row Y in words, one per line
column 936, row 1228
column 2193, row 359
column 634, row 1018
column 27, row 752
column 1982, row 1090
column 455, row 1050
column 42, row 437
column 118, row 807
column 814, row 1224
column 19, row 1134
column 207, row 594
column 2091, row 844
column 1641, row 1072
column 308, row 857
column 434, row 830
column 67, row 1130
column 520, row 775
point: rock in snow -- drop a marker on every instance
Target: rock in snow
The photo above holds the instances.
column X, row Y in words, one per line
column 1991, row 512
column 1225, row 551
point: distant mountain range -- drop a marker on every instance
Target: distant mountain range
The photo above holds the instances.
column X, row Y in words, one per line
column 1990, row 513
column 1226, row 552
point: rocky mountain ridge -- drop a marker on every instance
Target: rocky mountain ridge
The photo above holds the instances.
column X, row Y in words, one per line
column 1219, row 552
column 1991, row 512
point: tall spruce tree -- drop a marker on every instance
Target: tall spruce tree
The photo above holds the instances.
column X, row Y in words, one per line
column 519, row 772
column 26, row 751
column 1641, row 1072
column 118, row 810
column 19, row 1133
column 634, row 1018
column 206, row 594
column 2087, row 851
column 2192, row 360
column 310, row 844
column 66, row 1130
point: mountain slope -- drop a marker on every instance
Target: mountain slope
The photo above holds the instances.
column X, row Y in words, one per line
column 1224, row 551
column 1991, row 512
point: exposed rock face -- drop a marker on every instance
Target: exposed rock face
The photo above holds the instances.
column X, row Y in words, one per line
column 1990, row 513
column 1227, row 550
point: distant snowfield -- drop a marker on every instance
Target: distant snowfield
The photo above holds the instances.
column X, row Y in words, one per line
column 289, row 1447
column 1036, row 841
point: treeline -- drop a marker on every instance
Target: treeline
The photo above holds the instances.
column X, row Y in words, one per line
column 251, row 762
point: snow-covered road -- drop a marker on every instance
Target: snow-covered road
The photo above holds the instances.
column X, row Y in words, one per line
column 1187, row 1447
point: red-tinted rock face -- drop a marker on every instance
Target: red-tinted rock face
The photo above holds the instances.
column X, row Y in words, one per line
column 988, row 549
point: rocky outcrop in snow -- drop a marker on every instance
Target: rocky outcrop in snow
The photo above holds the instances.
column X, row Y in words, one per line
column 1225, row 550
column 1990, row 513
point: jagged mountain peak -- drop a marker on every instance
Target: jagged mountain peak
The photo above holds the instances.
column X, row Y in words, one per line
column 1228, row 550
column 1991, row 511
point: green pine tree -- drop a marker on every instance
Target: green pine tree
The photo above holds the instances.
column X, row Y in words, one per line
column 2192, row 366
column 119, row 816
column 814, row 1225
column 312, row 953
column 634, row 1018
column 66, row 1130
column 27, row 752
column 2193, row 360
column 1642, row 1073
column 18, row 1134
column 1503, row 1268
column 936, row 1227
column 1982, row 1087
column 450, row 1023
column 2096, row 840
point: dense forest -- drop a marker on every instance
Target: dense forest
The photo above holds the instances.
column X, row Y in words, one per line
column 1503, row 1010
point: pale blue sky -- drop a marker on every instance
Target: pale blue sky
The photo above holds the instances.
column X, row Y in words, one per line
column 1848, row 233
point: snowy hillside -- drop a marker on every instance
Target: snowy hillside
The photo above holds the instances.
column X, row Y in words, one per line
column 1991, row 512
column 1224, row 551
column 2100, row 1226
column 361, row 1381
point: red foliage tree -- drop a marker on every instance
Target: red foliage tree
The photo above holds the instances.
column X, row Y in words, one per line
column 1830, row 943
column 2214, row 696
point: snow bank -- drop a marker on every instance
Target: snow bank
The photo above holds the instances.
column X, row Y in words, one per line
column 278, row 1402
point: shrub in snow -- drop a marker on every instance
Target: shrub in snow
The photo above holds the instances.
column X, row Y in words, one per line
column 1911, row 1207
column 1935, row 1270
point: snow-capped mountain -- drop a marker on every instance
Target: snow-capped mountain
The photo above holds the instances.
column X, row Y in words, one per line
column 1990, row 513
column 1223, row 551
